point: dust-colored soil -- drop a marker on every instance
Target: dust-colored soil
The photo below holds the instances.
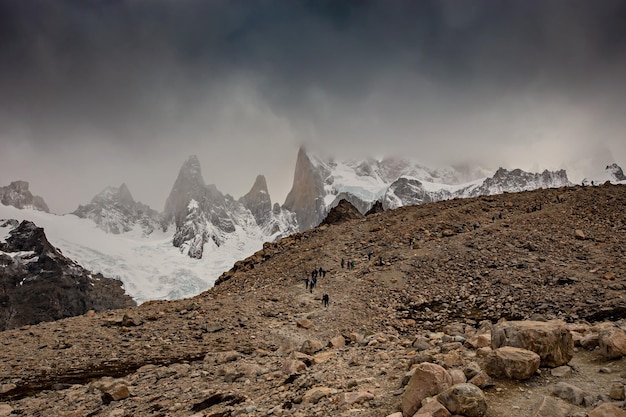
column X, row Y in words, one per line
column 527, row 264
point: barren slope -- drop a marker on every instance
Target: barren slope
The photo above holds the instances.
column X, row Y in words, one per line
column 515, row 256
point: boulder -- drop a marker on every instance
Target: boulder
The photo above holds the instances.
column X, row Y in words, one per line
column 551, row 340
column 428, row 380
column 292, row 366
column 458, row 377
column 549, row 407
column 433, row 409
column 569, row 392
column 612, row 342
column 512, row 362
column 311, row 346
column 607, row 410
column 464, row 399
column 348, row 398
column 590, row 341
column 314, row 395
column 617, row 392
column 304, row 323
column 482, row 380
column 337, row 342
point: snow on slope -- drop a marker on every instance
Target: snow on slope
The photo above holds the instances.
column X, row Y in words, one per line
column 150, row 267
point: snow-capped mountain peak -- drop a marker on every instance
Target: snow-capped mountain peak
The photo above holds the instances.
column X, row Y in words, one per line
column 612, row 173
column 115, row 210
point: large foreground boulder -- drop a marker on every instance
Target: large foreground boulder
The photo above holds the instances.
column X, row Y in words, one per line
column 428, row 380
column 551, row 340
column 512, row 362
column 612, row 342
column 464, row 399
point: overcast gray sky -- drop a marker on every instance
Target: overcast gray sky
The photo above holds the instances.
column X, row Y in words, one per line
column 100, row 92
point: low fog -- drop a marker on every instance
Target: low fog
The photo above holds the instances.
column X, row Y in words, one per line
column 101, row 92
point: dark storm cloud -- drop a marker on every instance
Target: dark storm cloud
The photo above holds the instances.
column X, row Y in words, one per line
column 441, row 76
column 110, row 64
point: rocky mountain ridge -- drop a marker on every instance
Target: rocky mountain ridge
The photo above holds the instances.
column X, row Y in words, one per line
column 38, row 283
column 115, row 211
column 17, row 195
column 259, row 343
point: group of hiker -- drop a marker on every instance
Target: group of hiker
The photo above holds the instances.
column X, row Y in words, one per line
column 350, row 263
column 312, row 282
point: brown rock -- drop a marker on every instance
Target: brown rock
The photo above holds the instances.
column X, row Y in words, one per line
column 314, row 395
column 458, row 377
column 114, row 392
column 229, row 356
column 607, row 410
column 551, row 340
column 304, row 323
column 292, row 366
column 569, row 392
column 482, row 380
column 311, row 346
column 579, row 234
column 590, row 341
column 348, row 398
column 5, row 410
column 617, row 392
column 428, row 380
column 337, row 342
column 549, row 407
column 612, row 343
column 464, row 399
column 512, row 362
column 433, row 409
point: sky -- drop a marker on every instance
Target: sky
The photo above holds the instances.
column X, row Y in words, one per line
column 103, row 92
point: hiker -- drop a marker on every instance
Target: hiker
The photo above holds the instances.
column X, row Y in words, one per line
column 325, row 300
column 352, row 264
column 380, row 260
column 321, row 272
column 312, row 285
column 343, row 262
column 369, row 255
column 306, row 283
column 412, row 243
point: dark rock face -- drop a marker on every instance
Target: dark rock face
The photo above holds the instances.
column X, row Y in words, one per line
column 17, row 195
column 342, row 212
column 115, row 211
column 617, row 172
column 377, row 207
column 258, row 201
column 188, row 185
column 306, row 195
column 38, row 283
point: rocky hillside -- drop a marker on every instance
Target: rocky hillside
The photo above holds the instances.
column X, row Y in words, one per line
column 38, row 283
column 18, row 195
column 425, row 302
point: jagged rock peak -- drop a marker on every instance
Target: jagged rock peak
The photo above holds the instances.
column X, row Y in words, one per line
column 306, row 195
column 258, row 201
column 17, row 195
column 120, row 195
column 189, row 185
column 342, row 212
column 616, row 170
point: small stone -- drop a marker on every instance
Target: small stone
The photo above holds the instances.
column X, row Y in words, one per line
column 549, row 407
column 304, row 323
column 349, row 398
column 579, row 234
column 465, row 399
column 561, row 371
column 617, row 392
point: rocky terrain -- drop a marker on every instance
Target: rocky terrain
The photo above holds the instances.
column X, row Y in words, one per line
column 38, row 283
column 428, row 286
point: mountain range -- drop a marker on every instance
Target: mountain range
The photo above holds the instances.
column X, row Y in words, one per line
column 212, row 230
